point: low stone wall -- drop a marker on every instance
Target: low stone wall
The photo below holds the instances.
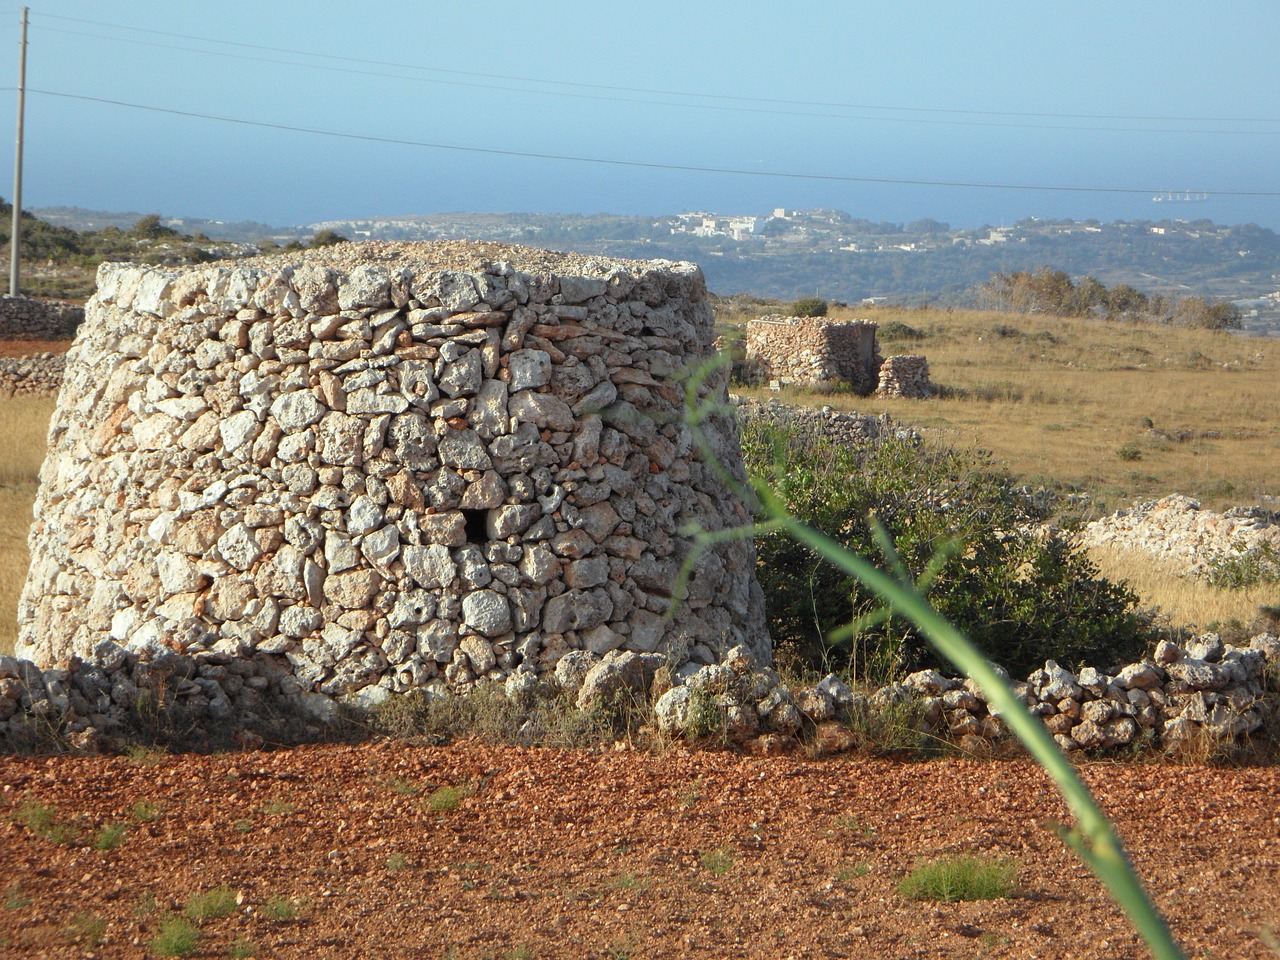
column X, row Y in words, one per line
column 1203, row 697
column 24, row 318
column 1207, row 693
column 826, row 423
column 814, row 351
column 905, row 376
column 1178, row 530
column 36, row 375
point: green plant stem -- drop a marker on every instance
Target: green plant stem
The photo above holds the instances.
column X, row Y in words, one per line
column 1094, row 840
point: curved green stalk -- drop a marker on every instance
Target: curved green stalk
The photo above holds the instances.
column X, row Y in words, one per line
column 1093, row 839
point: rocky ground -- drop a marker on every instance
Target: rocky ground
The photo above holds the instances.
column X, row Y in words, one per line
column 336, row 851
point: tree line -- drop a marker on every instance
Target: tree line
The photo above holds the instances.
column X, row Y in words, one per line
column 1053, row 292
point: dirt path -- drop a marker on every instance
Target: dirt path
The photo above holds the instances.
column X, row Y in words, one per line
column 610, row 855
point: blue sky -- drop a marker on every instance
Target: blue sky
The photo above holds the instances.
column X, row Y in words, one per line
column 1133, row 95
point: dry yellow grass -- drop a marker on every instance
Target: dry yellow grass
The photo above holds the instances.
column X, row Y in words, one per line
column 1119, row 411
column 22, row 448
column 1183, row 601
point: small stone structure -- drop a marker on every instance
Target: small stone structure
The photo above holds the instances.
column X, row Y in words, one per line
column 25, row 318
column 814, row 351
column 817, row 352
column 905, row 376
column 380, row 467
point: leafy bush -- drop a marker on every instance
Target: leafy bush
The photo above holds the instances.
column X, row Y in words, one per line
column 1248, row 569
column 1021, row 596
column 809, row 307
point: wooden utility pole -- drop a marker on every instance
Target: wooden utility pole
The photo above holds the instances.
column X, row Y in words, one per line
column 15, row 235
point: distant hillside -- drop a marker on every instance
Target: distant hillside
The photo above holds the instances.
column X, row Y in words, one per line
column 831, row 254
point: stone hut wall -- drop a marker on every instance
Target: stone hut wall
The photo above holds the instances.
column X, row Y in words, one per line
column 24, row 318
column 814, row 351
column 905, row 376
column 379, row 467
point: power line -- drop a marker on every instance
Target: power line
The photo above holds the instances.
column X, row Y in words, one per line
column 720, row 107
column 641, row 164
column 668, row 93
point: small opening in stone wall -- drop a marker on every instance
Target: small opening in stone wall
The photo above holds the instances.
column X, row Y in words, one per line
column 477, row 525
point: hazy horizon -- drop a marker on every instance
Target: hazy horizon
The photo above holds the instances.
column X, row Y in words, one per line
column 290, row 114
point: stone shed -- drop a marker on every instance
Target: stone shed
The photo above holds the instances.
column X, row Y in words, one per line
column 814, row 351
column 379, row 467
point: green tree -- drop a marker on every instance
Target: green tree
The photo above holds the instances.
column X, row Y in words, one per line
column 150, row 228
column 327, row 238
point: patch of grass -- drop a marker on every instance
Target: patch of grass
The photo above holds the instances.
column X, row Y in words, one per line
column 110, row 836
column 404, row 788
column 217, row 903
column 278, row 808
column 178, row 937
column 960, row 878
column 14, row 898
column 281, row 908
column 398, row 862
column 718, row 861
column 143, row 756
column 144, row 811
column 242, row 949
column 852, row 871
column 448, row 798
column 629, row 881
column 852, row 823
column 42, row 820
column 86, row 930
column 688, row 795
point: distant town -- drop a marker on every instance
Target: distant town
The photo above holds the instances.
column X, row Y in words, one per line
column 832, row 254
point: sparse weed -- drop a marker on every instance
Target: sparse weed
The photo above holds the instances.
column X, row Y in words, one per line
column 960, row 878
column 243, row 825
column 852, row 872
column 448, row 798
column 14, row 898
column 42, row 820
column 398, row 862
column 278, row 808
column 718, row 861
column 242, row 949
column 688, row 795
column 178, row 937
column 404, row 788
column 110, row 836
column 217, row 903
column 852, row 823
column 86, row 930
column 143, row 756
column 144, row 811
column 282, row 908
column 629, row 881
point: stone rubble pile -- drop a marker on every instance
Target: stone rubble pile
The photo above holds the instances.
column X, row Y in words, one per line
column 905, row 376
column 1177, row 530
column 813, row 351
column 374, row 468
column 24, row 318
column 36, row 375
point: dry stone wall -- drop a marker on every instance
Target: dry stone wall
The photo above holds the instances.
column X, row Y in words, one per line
column 35, row 375
column 382, row 467
column 24, row 318
column 814, row 351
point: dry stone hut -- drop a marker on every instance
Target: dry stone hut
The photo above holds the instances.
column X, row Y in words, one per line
column 814, row 351
column 379, row 467
column 817, row 352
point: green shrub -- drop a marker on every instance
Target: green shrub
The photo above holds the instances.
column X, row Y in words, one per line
column 217, row 903
column 1022, row 596
column 960, row 878
column 809, row 307
column 1248, row 569
column 178, row 937
column 897, row 330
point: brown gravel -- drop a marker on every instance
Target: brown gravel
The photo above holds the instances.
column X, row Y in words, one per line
column 579, row 854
